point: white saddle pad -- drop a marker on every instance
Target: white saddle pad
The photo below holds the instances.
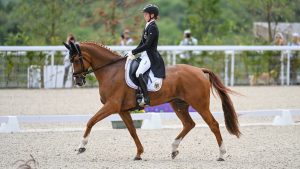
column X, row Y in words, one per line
column 153, row 84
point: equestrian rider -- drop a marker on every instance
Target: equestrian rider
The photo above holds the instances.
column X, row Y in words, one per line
column 150, row 58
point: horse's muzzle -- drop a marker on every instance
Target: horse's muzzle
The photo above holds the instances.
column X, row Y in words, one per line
column 80, row 81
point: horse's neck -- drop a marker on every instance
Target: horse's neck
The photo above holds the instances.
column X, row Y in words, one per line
column 99, row 55
column 110, row 74
column 102, row 57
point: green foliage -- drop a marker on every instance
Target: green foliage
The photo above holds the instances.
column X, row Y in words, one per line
column 15, row 64
column 91, row 80
column 213, row 22
column 9, row 68
column 273, row 11
column 231, row 22
column 45, row 22
column 205, row 59
column 19, row 38
column 202, row 17
column 167, row 36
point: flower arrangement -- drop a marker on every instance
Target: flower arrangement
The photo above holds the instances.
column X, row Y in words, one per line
column 121, row 124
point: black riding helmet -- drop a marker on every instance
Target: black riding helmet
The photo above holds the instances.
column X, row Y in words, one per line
column 151, row 9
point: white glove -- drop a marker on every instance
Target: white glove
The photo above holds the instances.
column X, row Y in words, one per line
column 130, row 56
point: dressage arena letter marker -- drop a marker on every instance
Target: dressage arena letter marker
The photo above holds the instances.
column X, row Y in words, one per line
column 284, row 119
column 12, row 125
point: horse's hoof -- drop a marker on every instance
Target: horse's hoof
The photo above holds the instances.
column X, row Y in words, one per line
column 81, row 150
column 174, row 154
column 137, row 158
column 220, row 159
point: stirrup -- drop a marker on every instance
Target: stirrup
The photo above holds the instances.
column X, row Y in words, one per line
column 142, row 102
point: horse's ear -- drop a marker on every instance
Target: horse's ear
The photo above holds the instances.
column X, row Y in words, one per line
column 73, row 47
column 78, row 48
column 67, row 46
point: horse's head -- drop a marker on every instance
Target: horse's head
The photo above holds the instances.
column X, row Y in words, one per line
column 80, row 63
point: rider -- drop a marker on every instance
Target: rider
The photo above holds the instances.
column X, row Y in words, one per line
column 150, row 58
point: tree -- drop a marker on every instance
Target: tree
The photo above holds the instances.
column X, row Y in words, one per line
column 46, row 21
column 273, row 11
column 202, row 16
column 9, row 25
column 111, row 17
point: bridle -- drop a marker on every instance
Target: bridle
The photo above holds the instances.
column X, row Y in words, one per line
column 86, row 71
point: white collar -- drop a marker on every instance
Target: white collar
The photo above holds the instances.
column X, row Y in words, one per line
column 148, row 23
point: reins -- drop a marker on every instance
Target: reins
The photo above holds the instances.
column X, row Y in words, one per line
column 100, row 67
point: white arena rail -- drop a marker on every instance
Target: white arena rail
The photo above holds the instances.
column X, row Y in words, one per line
column 151, row 120
column 160, row 48
column 230, row 52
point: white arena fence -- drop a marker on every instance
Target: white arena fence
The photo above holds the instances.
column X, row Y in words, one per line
column 53, row 70
column 151, row 120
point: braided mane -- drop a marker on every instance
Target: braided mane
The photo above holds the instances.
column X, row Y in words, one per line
column 97, row 44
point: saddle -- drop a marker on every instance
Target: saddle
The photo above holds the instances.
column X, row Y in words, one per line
column 133, row 67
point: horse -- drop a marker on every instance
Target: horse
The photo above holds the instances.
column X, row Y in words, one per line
column 183, row 86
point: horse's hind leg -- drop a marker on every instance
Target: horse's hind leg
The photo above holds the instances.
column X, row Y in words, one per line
column 214, row 127
column 126, row 117
column 181, row 109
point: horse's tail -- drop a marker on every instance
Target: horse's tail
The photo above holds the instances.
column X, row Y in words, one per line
column 231, row 120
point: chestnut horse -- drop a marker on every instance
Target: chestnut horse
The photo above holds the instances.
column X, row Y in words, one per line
column 183, row 86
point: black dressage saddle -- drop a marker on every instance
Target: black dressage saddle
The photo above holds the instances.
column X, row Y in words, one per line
column 133, row 67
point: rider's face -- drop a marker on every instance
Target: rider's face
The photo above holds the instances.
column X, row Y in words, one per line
column 147, row 16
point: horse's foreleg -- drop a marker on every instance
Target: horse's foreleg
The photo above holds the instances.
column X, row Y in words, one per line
column 126, row 117
column 181, row 109
column 105, row 111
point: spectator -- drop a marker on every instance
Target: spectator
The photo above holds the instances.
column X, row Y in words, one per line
column 188, row 39
column 67, row 63
column 125, row 38
column 276, row 60
column 295, row 40
column 279, row 40
column 295, row 59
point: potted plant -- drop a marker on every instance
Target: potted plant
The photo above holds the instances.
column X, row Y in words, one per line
column 121, row 124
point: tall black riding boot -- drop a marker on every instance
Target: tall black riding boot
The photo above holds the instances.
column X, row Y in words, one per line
column 143, row 85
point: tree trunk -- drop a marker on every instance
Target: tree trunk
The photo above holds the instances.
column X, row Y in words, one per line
column 269, row 20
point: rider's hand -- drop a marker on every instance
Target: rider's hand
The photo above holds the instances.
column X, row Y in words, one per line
column 130, row 56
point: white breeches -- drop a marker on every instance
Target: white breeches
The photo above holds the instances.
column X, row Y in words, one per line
column 144, row 65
